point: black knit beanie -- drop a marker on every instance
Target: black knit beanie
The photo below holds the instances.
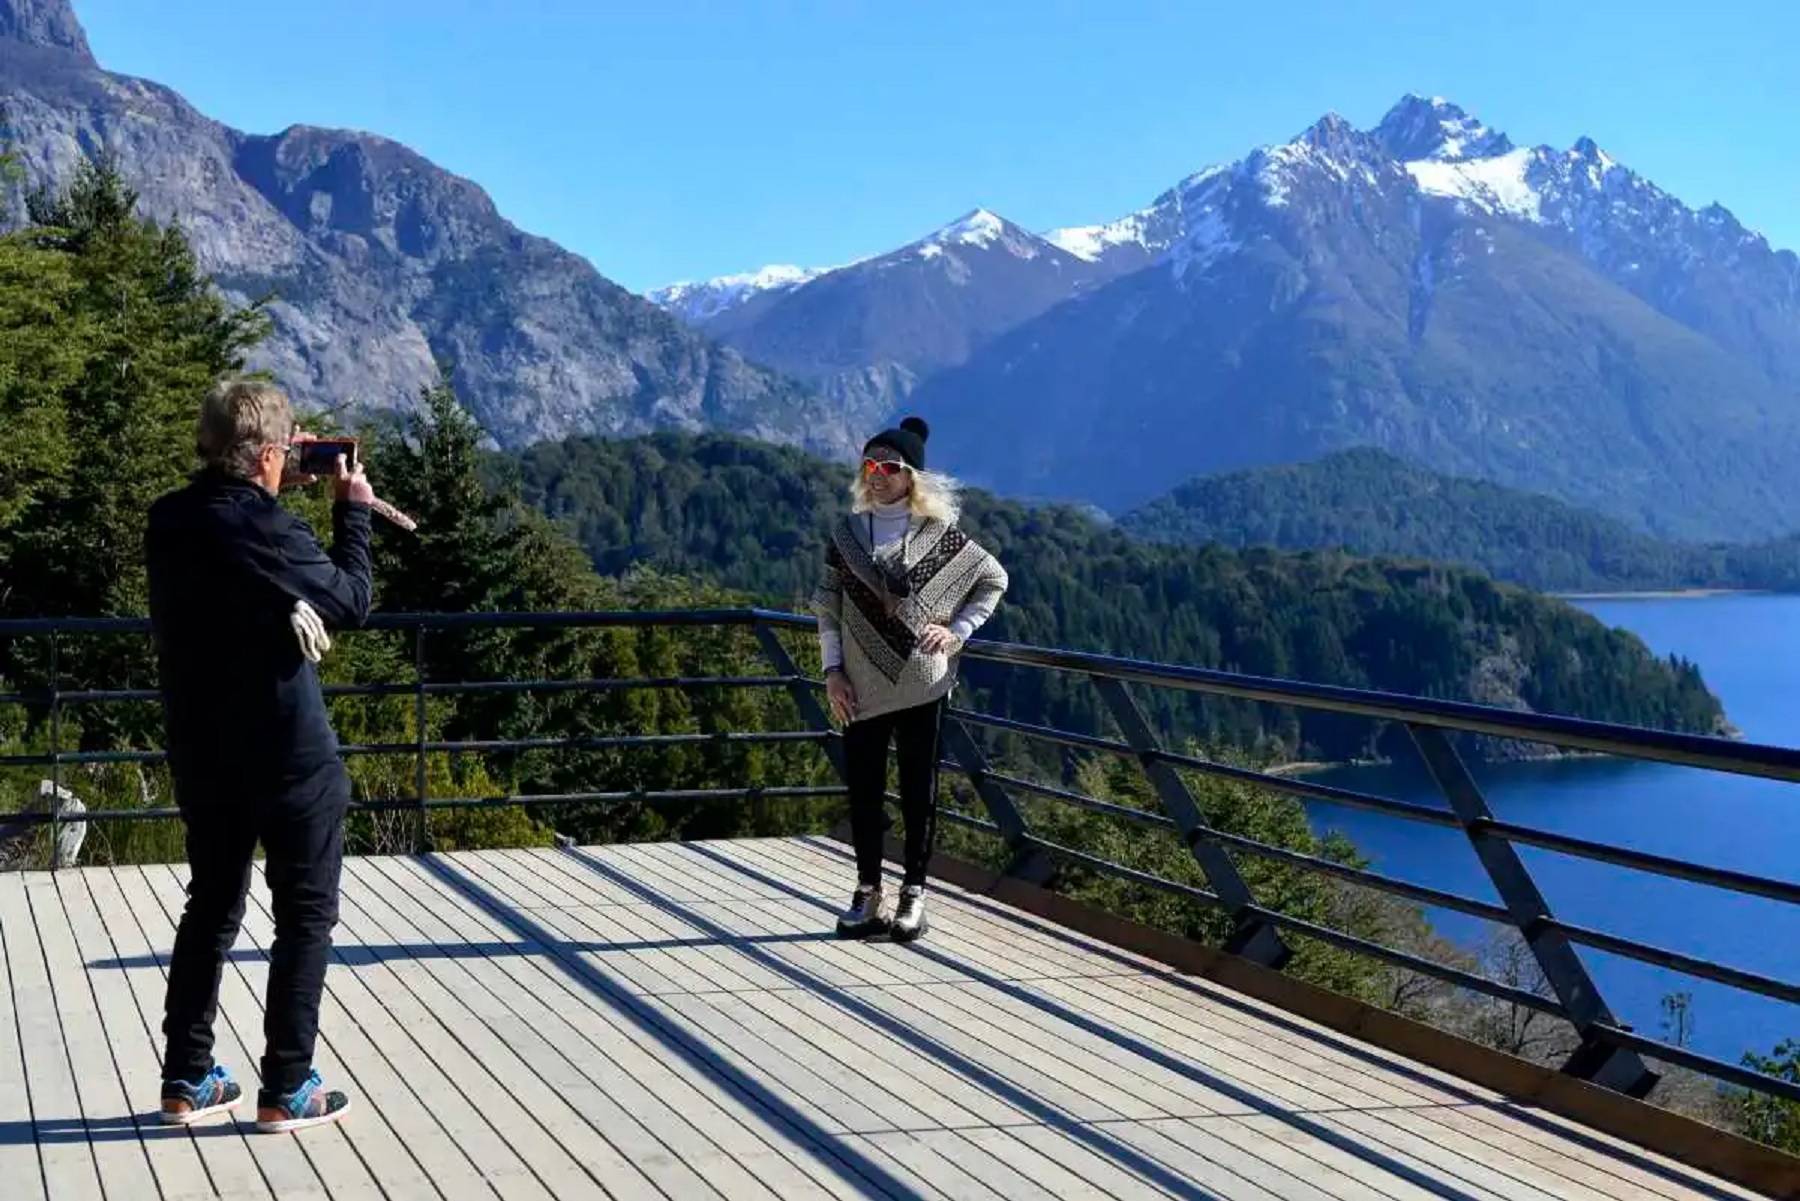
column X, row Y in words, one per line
column 909, row 440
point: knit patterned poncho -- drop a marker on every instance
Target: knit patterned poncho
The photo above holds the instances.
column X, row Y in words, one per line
column 882, row 659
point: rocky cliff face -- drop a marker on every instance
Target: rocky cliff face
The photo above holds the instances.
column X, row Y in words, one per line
column 385, row 264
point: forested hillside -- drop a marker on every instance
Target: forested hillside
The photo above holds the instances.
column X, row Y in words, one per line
column 1370, row 502
column 754, row 517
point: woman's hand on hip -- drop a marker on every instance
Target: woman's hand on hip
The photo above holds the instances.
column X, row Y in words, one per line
column 841, row 695
column 935, row 639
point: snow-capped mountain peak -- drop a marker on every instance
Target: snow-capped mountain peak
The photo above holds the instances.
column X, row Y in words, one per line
column 697, row 300
column 981, row 230
column 1418, row 129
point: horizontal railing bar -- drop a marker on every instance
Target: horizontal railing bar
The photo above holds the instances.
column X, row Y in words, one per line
column 596, row 743
column 1381, row 883
column 621, row 683
column 1310, row 791
column 1692, row 750
column 1675, row 960
column 1576, row 733
column 1350, row 942
column 1026, row 729
column 104, row 696
column 973, row 823
column 36, row 627
column 775, row 792
column 1120, row 871
column 1706, row 1065
column 1261, row 779
column 49, row 759
column 1656, row 865
column 1083, row 801
column 1427, row 967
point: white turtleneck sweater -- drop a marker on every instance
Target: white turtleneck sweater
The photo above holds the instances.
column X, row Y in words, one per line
column 891, row 525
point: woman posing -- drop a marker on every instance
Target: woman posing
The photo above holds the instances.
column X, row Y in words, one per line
column 903, row 587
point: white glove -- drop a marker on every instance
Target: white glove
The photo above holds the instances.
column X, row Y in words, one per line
column 310, row 630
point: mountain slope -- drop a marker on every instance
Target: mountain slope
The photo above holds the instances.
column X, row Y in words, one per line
column 868, row 331
column 1369, row 502
column 756, row 517
column 386, row 263
column 1314, row 296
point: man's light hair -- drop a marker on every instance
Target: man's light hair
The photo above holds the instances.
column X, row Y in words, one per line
column 934, row 496
column 238, row 418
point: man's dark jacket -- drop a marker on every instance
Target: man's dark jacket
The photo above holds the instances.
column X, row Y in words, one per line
column 242, row 707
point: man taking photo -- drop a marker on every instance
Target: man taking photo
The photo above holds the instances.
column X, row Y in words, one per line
column 234, row 579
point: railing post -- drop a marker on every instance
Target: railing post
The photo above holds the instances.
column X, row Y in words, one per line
column 811, row 712
column 422, row 834
column 1029, row 863
column 1595, row 1060
column 55, row 750
column 1254, row 938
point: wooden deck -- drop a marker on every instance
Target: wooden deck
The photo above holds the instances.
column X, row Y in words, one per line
column 676, row 1021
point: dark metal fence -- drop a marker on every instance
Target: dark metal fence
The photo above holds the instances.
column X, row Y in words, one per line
column 1610, row 1052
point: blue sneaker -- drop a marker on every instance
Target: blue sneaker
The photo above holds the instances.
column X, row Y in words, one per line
column 308, row 1105
column 183, row 1102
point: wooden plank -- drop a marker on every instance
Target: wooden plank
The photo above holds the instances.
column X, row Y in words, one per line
column 415, row 1154
column 999, row 1057
column 1065, row 1046
column 837, row 962
column 231, row 1167
column 1049, row 1177
column 1323, row 1065
column 832, row 1100
column 70, row 1170
column 153, row 895
column 520, row 1154
column 762, row 1132
column 344, row 1154
column 667, row 1139
column 113, row 1059
column 21, row 1163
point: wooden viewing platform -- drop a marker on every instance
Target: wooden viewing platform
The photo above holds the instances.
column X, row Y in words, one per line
column 677, row 1020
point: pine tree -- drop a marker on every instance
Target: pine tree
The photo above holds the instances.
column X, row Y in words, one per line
column 142, row 334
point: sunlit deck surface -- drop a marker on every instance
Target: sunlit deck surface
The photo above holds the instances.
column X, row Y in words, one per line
column 677, row 1021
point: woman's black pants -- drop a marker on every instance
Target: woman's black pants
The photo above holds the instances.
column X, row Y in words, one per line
column 914, row 735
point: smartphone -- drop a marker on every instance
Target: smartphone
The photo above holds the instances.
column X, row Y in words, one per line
column 319, row 457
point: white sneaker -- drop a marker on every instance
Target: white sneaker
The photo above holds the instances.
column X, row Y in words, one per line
column 863, row 918
column 909, row 920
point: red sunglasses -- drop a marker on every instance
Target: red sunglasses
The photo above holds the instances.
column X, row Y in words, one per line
column 884, row 467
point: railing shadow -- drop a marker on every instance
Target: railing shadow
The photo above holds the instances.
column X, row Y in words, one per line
column 1092, row 1137
column 860, row 1169
column 1189, row 1070
column 372, row 954
column 1268, row 1015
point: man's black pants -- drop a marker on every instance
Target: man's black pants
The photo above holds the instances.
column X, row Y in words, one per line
column 914, row 735
column 301, row 828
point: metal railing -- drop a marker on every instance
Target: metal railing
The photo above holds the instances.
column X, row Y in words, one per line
column 1610, row 1053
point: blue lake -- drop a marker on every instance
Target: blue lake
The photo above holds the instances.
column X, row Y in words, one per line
column 1748, row 649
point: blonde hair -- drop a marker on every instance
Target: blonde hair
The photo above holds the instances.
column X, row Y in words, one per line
column 238, row 417
column 933, row 496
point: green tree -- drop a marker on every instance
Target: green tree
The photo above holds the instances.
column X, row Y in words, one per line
column 1767, row 1119
column 143, row 335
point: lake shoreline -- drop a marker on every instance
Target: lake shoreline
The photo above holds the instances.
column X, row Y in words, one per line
column 1660, row 594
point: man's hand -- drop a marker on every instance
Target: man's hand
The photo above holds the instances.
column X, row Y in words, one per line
column 841, row 695
column 935, row 639
column 352, row 485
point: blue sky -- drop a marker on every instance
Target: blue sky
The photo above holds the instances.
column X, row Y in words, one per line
column 676, row 139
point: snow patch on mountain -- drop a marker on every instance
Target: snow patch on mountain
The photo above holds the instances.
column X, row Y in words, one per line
column 1501, row 184
column 699, row 300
